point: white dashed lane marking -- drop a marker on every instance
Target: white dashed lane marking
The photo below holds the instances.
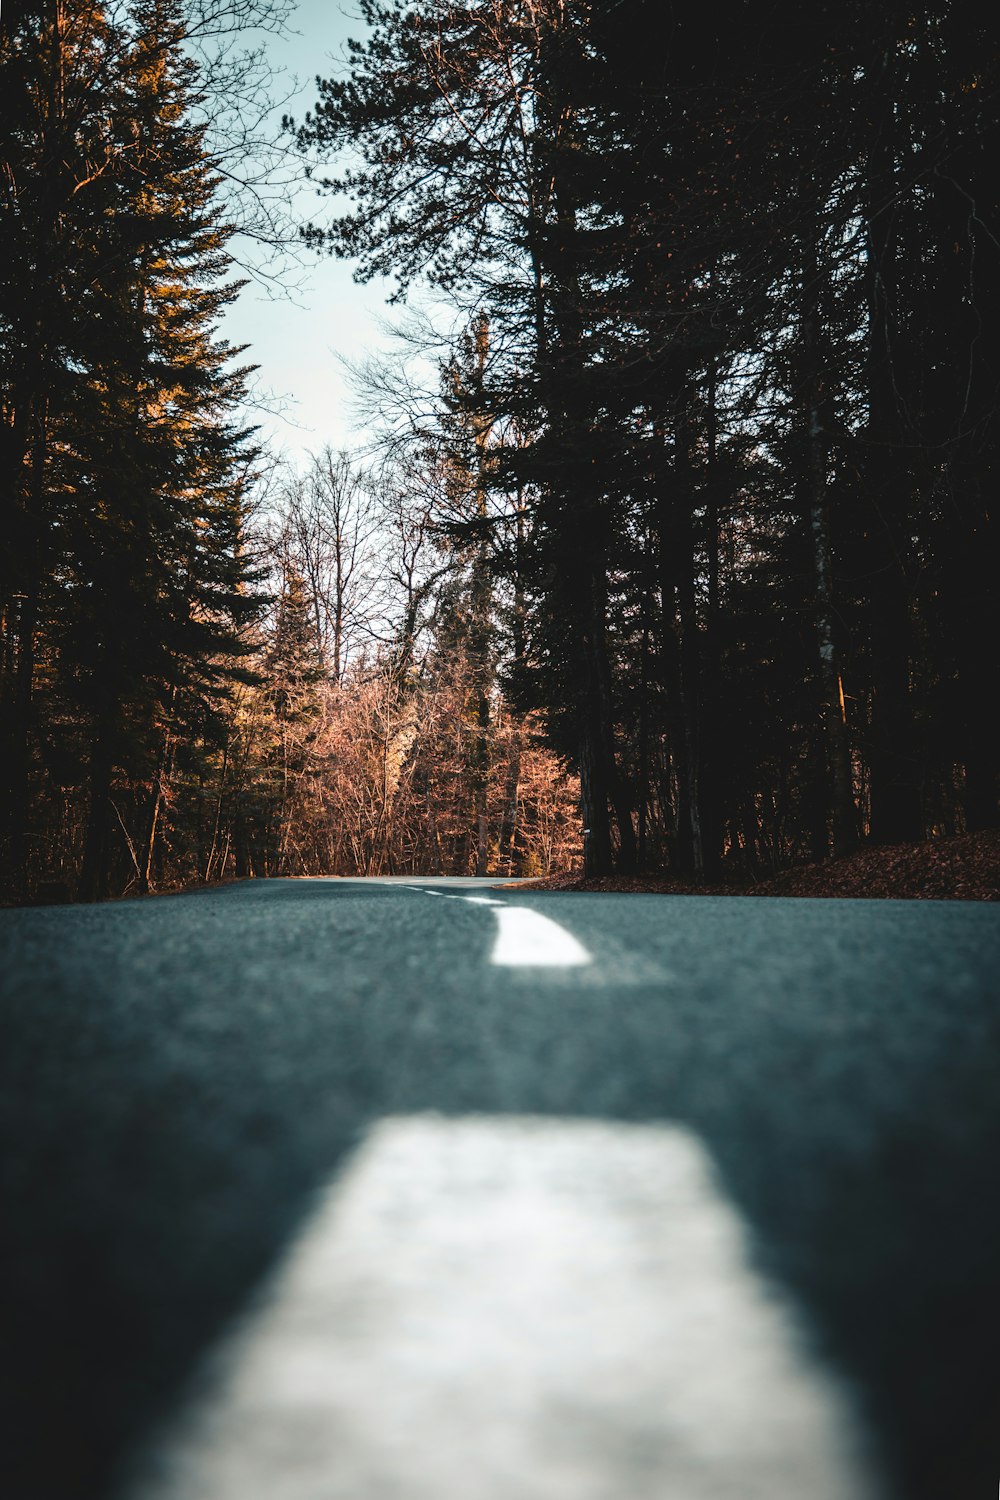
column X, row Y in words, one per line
column 518, row 1309
column 525, row 939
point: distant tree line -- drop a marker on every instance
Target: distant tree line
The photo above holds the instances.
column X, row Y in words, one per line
column 377, row 738
column 739, row 391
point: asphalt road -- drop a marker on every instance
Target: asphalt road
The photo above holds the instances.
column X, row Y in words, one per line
column 182, row 1078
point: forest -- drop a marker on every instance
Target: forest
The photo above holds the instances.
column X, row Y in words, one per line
column 684, row 558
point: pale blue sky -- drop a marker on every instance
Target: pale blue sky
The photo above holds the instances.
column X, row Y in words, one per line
column 296, row 340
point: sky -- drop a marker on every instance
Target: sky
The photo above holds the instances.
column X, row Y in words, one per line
column 297, row 338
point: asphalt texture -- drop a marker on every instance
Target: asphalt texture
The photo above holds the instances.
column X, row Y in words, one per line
column 181, row 1075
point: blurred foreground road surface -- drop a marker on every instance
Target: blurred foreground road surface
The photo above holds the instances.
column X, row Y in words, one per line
column 424, row 1190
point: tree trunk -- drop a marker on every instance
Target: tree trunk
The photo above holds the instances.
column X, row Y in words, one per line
column 96, row 872
column 642, row 789
column 680, row 647
column 710, row 798
column 27, row 540
column 690, row 645
column 17, row 778
column 241, row 843
column 599, row 736
column 594, row 807
column 896, row 814
column 843, row 813
column 481, row 773
column 511, row 807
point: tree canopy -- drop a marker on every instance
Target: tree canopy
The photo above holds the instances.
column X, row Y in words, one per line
column 696, row 530
column 744, row 294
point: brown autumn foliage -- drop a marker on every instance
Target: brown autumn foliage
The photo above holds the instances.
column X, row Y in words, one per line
column 385, row 786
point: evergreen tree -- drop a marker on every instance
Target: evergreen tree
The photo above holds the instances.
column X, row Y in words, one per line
column 138, row 475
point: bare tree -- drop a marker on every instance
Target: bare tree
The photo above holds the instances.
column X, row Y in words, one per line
column 333, row 526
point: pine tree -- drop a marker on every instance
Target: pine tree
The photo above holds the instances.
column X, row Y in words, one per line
column 58, row 146
column 138, row 474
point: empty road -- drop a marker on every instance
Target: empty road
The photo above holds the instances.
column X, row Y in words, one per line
column 428, row 1190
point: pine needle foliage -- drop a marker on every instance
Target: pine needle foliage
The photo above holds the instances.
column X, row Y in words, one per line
column 127, row 473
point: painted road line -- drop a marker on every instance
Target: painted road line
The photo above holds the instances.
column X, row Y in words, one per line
column 525, row 939
column 518, row 1309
